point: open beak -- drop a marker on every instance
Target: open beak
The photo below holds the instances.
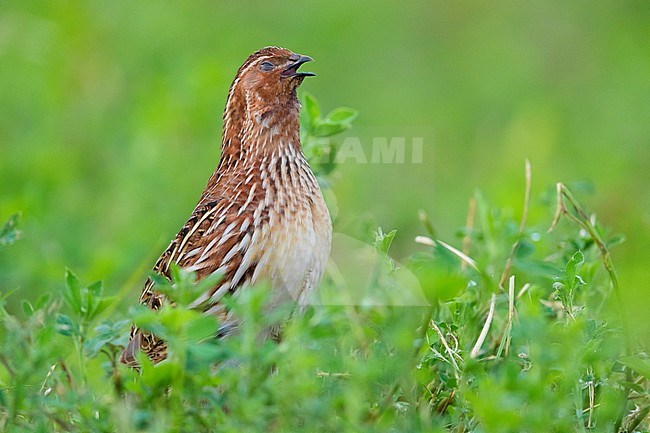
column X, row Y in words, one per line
column 292, row 69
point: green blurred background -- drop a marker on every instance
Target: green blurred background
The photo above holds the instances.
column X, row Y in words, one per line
column 110, row 117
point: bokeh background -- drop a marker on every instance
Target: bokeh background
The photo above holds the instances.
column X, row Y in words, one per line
column 110, row 117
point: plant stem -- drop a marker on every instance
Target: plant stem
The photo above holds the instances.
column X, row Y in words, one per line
column 583, row 220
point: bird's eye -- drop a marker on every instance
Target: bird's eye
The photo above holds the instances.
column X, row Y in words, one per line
column 266, row 66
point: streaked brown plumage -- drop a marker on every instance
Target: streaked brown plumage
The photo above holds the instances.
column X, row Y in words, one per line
column 262, row 216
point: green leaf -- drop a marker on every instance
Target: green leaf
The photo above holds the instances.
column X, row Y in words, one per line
column 101, row 305
column 176, row 273
column 574, row 265
column 108, row 333
column 437, row 280
column 524, row 249
column 159, row 280
column 383, row 240
column 202, row 327
column 572, row 270
column 148, row 320
column 312, row 109
column 615, row 240
column 94, row 345
column 42, row 301
column 96, row 288
column 66, row 326
column 72, row 291
column 537, row 268
column 200, row 355
column 641, row 366
column 342, row 115
column 327, row 128
column 28, row 309
column 632, row 385
column 9, row 232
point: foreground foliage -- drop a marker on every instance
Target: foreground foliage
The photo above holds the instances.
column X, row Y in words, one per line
column 520, row 331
